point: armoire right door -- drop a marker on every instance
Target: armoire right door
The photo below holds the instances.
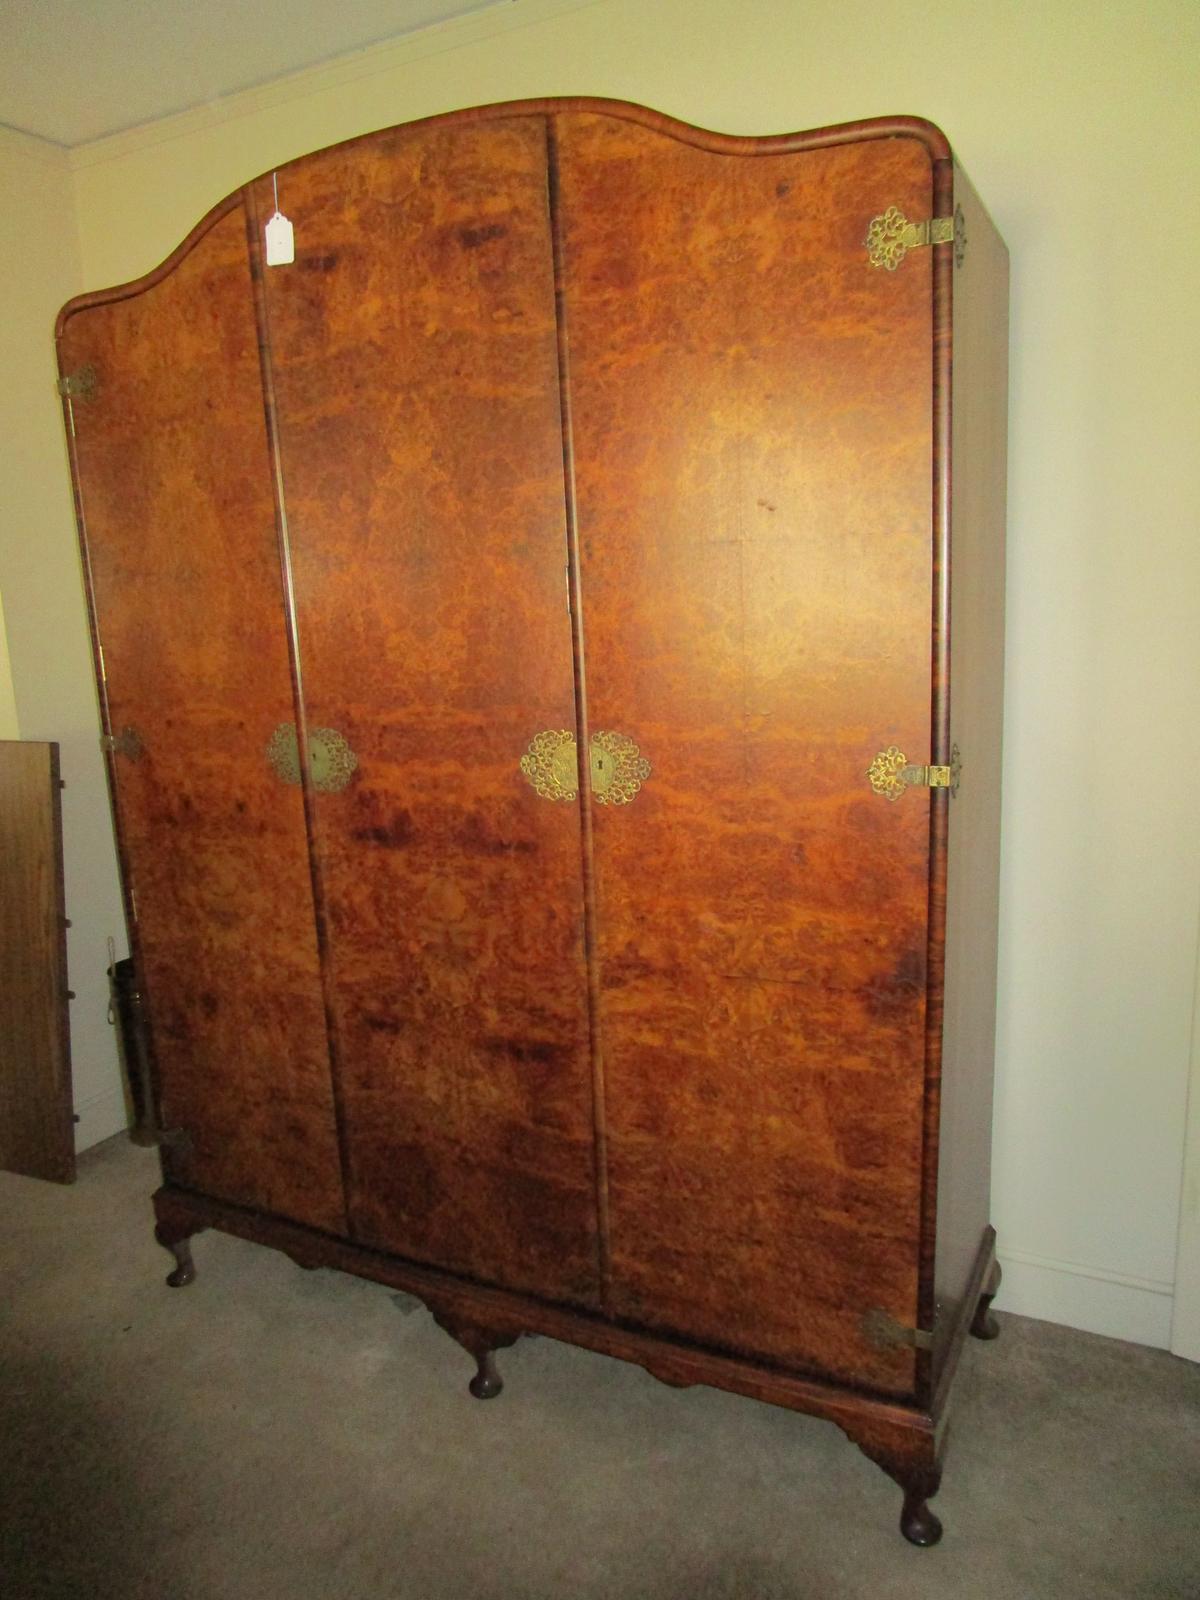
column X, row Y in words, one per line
column 751, row 412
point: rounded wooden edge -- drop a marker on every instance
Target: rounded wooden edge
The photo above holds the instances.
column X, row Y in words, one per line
column 126, row 291
column 898, row 127
column 942, row 269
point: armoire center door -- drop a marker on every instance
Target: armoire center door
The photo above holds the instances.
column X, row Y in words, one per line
column 751, row 421
column 413, row 359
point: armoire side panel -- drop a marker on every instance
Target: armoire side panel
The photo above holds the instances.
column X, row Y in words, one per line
column 752, row 430
column 979, row 423
column 414, row 361
column 174, row 488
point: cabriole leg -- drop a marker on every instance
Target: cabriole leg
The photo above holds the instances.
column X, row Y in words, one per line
column 480, row 1342
column 180, row 1246
column 984, row 1324
column 909, row 1458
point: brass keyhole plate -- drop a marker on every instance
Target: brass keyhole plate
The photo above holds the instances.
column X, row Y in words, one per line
column 616, row 766
column 331, row 760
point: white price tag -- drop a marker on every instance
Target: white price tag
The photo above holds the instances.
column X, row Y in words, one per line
column 281, row 241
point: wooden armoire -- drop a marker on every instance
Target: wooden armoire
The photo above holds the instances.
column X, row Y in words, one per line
column 549, row 639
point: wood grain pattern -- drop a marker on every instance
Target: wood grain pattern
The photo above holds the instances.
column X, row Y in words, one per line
column 980, row 334
column 753, row 436
column 578, row 344
column 870, row 128
column 414, row 357
column 37, row 1132
column 174, row 491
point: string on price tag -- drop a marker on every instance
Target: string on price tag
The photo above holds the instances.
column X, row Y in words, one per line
column 280, row 235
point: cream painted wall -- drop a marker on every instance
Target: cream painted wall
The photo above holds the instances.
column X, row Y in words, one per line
column 1077, row 122
column 51, row 677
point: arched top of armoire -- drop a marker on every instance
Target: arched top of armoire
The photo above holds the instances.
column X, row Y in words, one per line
column 896, row 127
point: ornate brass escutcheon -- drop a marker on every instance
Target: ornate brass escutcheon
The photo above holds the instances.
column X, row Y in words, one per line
column 891, row 773
column 618, row 768
column 551, row 764
column 331, row 761
column 615, row 764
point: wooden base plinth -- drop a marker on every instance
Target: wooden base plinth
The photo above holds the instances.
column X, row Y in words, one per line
column 906, row 1441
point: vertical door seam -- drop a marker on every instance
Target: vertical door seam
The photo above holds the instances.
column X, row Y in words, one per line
column 271, row 418
column 579, row 660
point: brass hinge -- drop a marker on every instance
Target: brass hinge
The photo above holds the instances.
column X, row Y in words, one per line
column 930, row 777
column 891, row 773
column 173, row 1138
column 891, row 236
column 81, row 385
column 126, row 743
column 880, row 1328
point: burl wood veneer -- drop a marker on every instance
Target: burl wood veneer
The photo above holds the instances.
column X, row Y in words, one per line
column 572, row 428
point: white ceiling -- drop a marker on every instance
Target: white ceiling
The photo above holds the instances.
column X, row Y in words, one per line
column 72, row 70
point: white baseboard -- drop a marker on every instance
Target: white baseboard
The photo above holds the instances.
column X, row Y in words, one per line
column 99, row 1118
column 1091, row 1298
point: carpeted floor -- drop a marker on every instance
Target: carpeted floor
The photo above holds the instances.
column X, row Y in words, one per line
column 275, row 1434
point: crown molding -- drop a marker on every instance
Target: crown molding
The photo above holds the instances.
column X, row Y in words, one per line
column 31, row 147
column 439, row 38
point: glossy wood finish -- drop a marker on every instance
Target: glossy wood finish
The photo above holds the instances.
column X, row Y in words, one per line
column 37, row 1131
column 579, row 333
column 976, row 651
column 174, row 495
column 752, row 431
column 413, row 352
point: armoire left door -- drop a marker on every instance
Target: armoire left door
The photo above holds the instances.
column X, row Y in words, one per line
column 174, row 486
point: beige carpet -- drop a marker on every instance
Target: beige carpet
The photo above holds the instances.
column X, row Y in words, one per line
column 276, row 1434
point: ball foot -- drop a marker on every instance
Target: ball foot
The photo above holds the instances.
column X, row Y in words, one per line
column 487, row 1382
column 918, row 1523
